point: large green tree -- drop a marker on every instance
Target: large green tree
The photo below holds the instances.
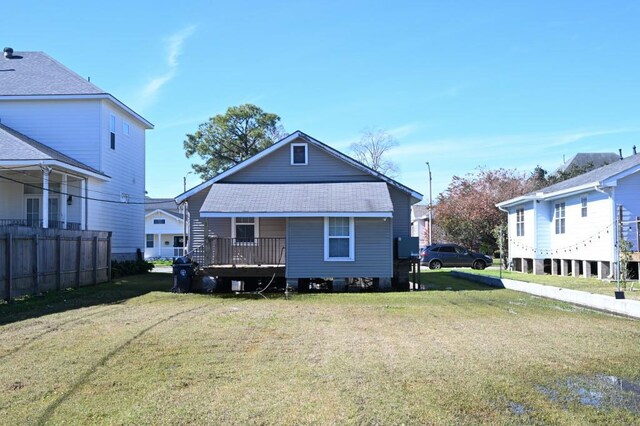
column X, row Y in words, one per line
column 230, row 138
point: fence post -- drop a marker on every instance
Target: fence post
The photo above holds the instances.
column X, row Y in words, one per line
column 78, row 261
column 95, row 260
column 59, row 272
column 109, row 257
column 9, row 278
column 36, row 264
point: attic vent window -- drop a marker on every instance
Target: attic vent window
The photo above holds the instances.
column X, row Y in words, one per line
column 158, row 221
column 299, row 154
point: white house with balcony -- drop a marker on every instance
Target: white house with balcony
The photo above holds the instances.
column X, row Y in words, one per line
column 164, row 228
column 573, row 227
column 72, row 156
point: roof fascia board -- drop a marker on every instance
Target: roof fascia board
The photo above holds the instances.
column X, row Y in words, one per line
column 107, row 96
column 297, row 214
column 164, row 212
column 613, row 180
column 56, row 163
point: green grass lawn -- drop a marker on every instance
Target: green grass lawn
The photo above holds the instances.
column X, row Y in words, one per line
column 591, row 285
column 461, row 353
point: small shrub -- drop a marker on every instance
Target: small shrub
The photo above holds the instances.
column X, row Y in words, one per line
column 129, row 267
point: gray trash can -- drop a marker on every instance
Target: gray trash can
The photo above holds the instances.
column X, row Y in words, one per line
column 183, row 272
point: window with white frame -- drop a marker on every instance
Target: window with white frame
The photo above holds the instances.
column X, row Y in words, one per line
column 112, row 130
column 150, row 240
column 245, row 230
column 125, row 128
column 559, row 216
column 299, row 154
column 583, row 205
column 159, row 221
column 520, row 222
column 339, row 239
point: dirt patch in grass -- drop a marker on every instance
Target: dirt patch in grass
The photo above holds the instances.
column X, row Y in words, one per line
column 464, row 355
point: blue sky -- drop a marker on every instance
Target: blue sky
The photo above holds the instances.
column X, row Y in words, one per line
column 461, row 84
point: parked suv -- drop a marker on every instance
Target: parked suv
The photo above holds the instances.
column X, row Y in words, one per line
column 452, row 255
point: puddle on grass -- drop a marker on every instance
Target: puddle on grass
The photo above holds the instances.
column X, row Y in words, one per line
column 600, row 391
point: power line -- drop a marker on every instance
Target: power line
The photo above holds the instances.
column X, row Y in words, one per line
column 82, row 196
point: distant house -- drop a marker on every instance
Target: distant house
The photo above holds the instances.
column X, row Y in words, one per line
column 420, row 223
column 72, row 156
column 164, row 228
column 593, row 159
column 571, row 228
column 303, row 211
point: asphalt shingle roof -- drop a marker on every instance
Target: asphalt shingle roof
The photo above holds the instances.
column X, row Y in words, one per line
column 168, row 205
column 597, row 159
column 16, row 146
column 350, row 197
column 36, row 73
column 597, row 175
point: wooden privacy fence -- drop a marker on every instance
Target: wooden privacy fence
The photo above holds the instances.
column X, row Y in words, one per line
column 38, row 260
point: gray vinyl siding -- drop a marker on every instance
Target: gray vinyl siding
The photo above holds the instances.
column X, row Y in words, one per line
column 196, row 223
column 322, row 167
column 401, row 212
column 305, row 250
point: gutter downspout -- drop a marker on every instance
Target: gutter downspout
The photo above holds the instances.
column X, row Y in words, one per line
column 508, row 239
column 614, row 230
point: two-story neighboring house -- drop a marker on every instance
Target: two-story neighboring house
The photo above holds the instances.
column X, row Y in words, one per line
column 72, row 156
column 304, row 211
column 572, row 227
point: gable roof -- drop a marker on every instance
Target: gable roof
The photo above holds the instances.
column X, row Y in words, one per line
column 38, row 76
column 298, row 199
column 283, row 142
column 163, row 205
column 603, row 176
column 18, row 148
column 597, row 159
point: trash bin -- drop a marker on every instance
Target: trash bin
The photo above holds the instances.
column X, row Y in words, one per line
column 183, row 272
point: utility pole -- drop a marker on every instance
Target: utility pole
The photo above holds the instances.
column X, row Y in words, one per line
column 184, row 216
column 430, row 205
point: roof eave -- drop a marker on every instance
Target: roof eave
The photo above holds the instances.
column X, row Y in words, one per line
column 297, row 214
column 282, row 142
column 56, row 163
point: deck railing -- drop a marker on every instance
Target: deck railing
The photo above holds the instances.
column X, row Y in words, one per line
column 240, row 251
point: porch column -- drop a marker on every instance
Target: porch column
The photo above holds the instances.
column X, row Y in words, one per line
column 83, row 204
column 45, row 196
column 63, row 207
column 160, row 245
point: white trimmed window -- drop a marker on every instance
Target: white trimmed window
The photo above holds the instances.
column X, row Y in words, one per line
column 559, row 215
column 583, row 206
column 299, row 154
column 150, row 240
column 159, row 221
column 125, row 128
column 244, row 229
column 520, row 222
column 339, row 239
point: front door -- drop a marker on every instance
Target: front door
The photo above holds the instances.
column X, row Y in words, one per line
column 54, row 213
column 178, row 243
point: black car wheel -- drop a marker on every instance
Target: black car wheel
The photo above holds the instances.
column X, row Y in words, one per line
column 435, row 264
column 479, row 264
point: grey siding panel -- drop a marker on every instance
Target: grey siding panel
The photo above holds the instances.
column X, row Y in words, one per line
column 305, row 250
column 321, row 167
column 401, row 212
